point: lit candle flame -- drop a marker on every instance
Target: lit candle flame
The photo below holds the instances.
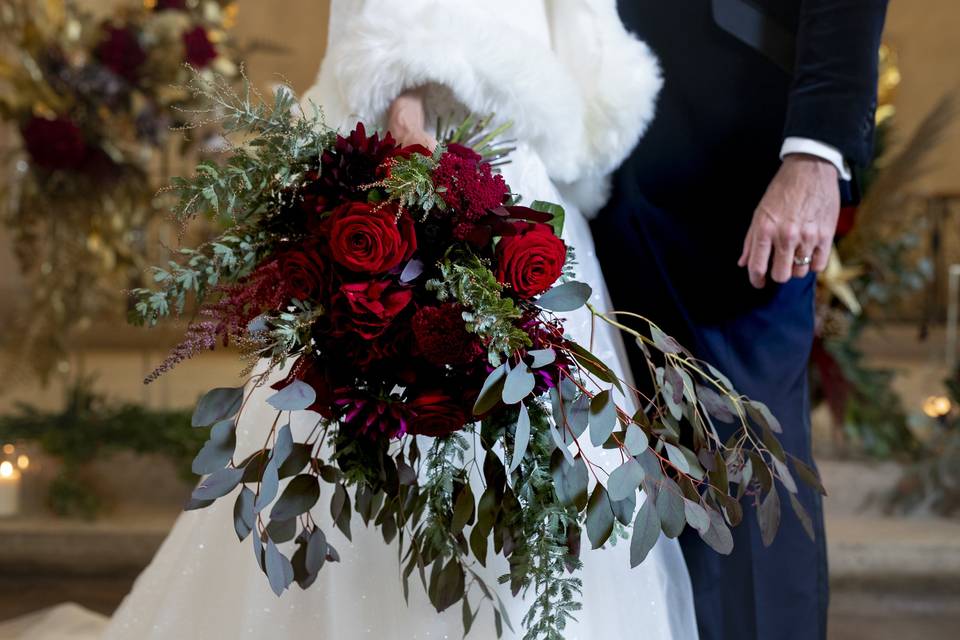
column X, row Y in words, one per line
column 6, row 470
column 23, row 462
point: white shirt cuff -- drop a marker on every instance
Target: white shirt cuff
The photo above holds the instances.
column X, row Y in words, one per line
column 820, row 149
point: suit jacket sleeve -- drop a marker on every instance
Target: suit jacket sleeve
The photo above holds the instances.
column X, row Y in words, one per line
column 834, row 94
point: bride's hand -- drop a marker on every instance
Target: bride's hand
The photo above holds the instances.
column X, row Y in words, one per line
column 407, row 122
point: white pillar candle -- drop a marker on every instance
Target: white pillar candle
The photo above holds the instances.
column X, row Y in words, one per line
column 9, row 490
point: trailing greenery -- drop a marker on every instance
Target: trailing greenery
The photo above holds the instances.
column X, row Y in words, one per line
column 90, row 427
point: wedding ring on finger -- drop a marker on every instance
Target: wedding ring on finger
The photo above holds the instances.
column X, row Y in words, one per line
column 802, row 261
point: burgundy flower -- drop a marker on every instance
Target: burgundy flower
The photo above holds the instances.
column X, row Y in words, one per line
column 302, row 270
column 54, row 144
column 176, row 5
column 442, row 336
column 369, row 240
column 120, row 51
column 468, row 186
column 368, row 308
column 436, row 414
column 199, row 50
column 531, row 261
column 373, row 417
column 354, row 161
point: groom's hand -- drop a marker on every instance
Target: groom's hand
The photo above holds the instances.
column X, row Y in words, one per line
column 794, row 223
column 406, row 120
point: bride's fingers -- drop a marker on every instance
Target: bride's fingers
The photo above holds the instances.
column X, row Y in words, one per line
column 758, row 262
column 745, row 254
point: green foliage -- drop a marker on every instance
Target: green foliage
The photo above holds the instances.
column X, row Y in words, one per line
column 90, row 427
column 411, row 181
column 466, row 279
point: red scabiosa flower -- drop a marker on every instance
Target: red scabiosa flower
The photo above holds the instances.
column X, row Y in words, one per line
column 468, row 186
column 365, row 239
column 530, row 261
column 200, row 52
column 442, row 337
column 120, row 51
column 54, row 144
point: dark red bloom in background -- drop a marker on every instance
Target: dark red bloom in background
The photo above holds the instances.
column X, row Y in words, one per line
column 468, row 186
column 373, row 417
column 54, row 144
column 120, row 51
column 368, row 308
column 177, row 5
column 302, row 270
column 370, row 240
column 442, row 336
column 199, row 50
column 531, row 261
column 436, row 414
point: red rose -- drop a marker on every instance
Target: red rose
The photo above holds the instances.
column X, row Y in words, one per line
column 370, row 307
column 199, row 50
column 120, row 51
column 370, row 240
column 436, row 414
column 54, row 144
column 531, row 261
column 302, row 272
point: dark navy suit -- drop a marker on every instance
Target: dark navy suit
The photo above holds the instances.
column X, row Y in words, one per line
column 671, row 235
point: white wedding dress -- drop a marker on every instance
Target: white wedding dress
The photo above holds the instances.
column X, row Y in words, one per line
column 203, row 584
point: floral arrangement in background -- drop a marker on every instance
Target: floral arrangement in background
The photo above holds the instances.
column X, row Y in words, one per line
column 879, row 262
column 420, row 310
column 90, row 103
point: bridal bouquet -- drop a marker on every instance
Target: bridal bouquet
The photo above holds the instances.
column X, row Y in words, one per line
column 416, row 303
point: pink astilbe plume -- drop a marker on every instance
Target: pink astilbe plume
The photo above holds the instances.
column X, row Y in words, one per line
column 229, row 316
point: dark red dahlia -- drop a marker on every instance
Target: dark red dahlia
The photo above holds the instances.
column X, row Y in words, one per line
column 354, row 161
column 468, row 186
column 120, row 51
column 372, row 417
column 199, row 50
column 442, row 336
column 54, row 144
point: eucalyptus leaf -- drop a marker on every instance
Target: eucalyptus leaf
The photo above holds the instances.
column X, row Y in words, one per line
column 217, row 404
column 269, row 485
column 218, row 450
column 299, row 496
column 623, row 509
column 568, row 296
column 521, row 438
column 218, row 484
column 463, row 510
column 519, row 384
column 243, row 515
column 600, row 517
column 296, row 396
column 635, row 441
column 279, row 569
column 718, row 536
column 768, row 515
column 542, row 358
column 283, row 446
column 281, row 531
column 646, row 532
column 670, row 509
column 696, row 515
column 554, row 210
column 603, row 418
column 625, row 480
column 665, row 343
column 570, row 480
column 803, row 516
column 490, row 393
